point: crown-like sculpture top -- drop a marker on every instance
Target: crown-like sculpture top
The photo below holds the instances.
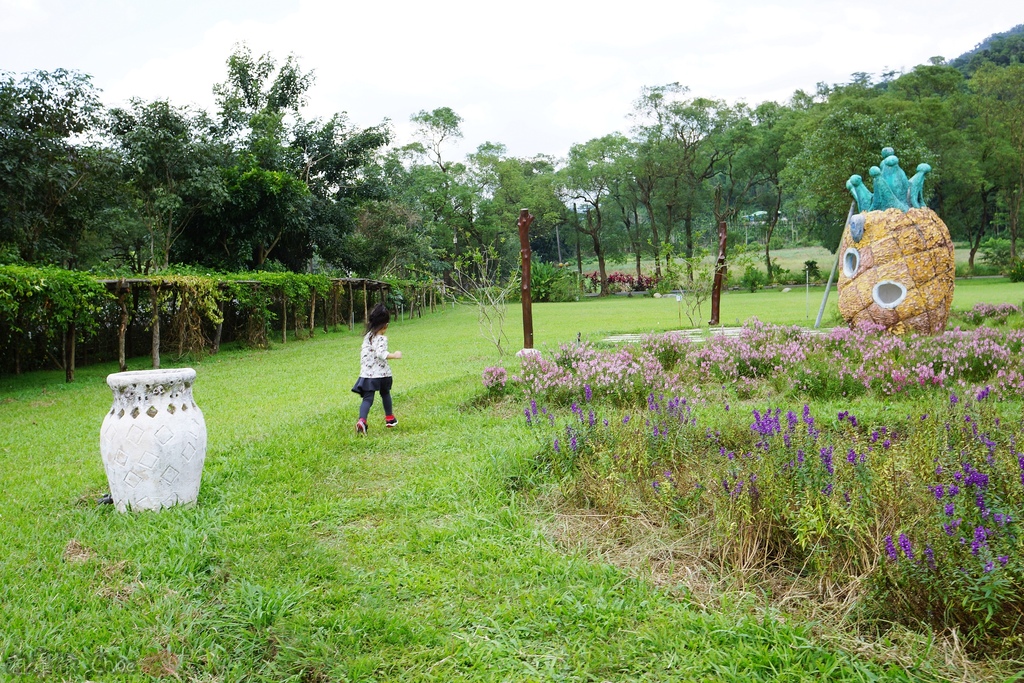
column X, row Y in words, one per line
column 892, row 188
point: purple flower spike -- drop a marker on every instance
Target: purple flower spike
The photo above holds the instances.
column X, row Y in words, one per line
column 929, row 555
column 556, row 446
column 905, row 547
column 890, row 549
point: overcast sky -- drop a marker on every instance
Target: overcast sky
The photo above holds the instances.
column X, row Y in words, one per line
column 536, row 75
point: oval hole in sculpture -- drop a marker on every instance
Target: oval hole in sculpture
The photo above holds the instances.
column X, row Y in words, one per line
column 851, row 262
column 889, row 294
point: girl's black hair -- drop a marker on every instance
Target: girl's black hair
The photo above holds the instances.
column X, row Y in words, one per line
column 378, row 319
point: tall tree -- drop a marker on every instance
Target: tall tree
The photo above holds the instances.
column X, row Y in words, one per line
column 50, row 171
column 173, row 167
column 1001, row 92
column 588, row 176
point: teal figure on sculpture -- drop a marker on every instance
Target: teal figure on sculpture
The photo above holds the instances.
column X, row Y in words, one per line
column 892, row 188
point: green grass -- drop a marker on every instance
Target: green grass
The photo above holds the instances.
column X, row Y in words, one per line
column 316, row 555
column 792, row 258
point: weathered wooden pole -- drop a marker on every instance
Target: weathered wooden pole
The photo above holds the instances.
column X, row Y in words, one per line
column 716, row 289
column 525, row 219
column 122, row 364
column 70, row 335
column 154, row 350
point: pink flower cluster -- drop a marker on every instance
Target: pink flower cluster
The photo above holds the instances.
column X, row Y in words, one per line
column 495, row 377
column 843, row 362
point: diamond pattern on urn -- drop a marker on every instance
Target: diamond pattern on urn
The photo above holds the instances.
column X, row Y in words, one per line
column 169, row 475
column 132, row 479
column 135, row 434
column 148, row 460
column 164, row 434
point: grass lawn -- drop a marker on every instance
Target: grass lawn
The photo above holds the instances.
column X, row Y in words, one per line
column 317, row 555
column 792, row 259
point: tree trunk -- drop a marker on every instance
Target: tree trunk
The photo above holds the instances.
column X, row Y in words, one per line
column 655, row 242
column 1015, row 203
column 595, row 232
column 773, row 221
column 975, row 240
column 637, row 246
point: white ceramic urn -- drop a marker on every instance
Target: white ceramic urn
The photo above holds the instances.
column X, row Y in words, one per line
column 153, row 440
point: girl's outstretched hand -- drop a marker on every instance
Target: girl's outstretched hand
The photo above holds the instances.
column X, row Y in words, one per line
column 396, row 354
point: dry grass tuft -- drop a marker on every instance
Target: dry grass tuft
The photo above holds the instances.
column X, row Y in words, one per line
column 77, row 553
column 160, row 664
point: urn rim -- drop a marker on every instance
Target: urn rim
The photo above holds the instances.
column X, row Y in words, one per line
column 151, row 377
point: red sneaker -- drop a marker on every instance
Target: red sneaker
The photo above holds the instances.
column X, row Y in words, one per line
column 361, row 426
column 390, row 421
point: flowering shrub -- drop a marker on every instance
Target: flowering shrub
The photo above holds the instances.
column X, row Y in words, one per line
column 925, row 510
column 494, row 378
column 623, row 282
column 908, row 493
column 997, row 314
column 769, row 358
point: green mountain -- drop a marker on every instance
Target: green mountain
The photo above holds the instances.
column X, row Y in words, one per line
column 999, row 48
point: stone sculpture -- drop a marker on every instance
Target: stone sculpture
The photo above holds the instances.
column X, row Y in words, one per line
column 153, row 440
column 897, row 255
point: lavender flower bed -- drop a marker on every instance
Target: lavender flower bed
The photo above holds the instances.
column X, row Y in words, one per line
column 924, row 510
column 769, row 358
column 888, row 467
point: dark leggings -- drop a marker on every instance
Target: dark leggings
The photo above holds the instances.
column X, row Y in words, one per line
column 364, row 407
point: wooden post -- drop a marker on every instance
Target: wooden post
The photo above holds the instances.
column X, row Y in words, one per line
column 716, row 288
column 284, row 317
column 312, row 315
column 122, row 363
column 335, row 286
column 366, row 305
column 525, row 219
column 155, row 325
column 351, row 308
column 69, row 352
column 222, row 306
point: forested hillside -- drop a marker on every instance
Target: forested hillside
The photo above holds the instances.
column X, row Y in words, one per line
column 257, row 184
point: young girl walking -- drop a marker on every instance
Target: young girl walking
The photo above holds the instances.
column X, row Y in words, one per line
column 374, row 371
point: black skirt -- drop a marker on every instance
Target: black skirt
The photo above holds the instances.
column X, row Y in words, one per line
column 368, row 385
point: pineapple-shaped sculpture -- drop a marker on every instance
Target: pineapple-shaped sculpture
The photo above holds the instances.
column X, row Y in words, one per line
column 897, row 256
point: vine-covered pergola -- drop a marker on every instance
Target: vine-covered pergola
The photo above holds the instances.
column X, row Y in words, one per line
column 45, row 312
